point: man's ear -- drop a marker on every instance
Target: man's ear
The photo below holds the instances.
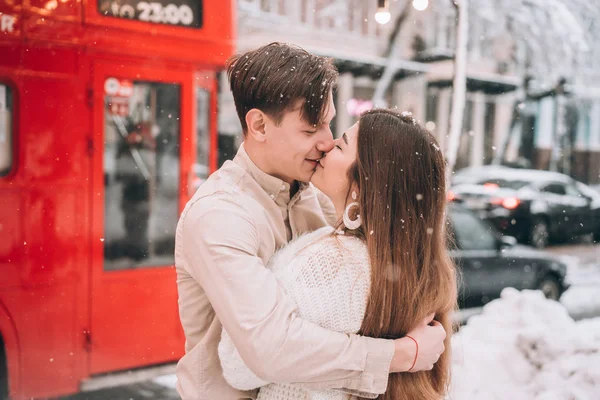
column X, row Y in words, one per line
column 255, row 121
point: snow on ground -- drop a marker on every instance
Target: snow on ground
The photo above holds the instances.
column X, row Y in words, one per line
column 525, row 347
column 582, row 301
column 166, row 380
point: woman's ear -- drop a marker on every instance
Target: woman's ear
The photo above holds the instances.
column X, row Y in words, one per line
column 255, row 120
column 353, row 194
column 355, row 189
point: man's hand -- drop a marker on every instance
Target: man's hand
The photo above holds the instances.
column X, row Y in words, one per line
column 430, row 335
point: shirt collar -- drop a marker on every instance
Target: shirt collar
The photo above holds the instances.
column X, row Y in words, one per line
column 277, row 189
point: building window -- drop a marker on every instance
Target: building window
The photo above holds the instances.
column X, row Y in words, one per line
column 432, row 106
column 468, row 116
column 141, row 174
column 488, row 133
column 466, row 138
column 361, row 102
column 450, row 26
column 6, row 115
column 444, row 30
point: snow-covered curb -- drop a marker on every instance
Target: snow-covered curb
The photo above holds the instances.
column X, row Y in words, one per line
column 525, row 347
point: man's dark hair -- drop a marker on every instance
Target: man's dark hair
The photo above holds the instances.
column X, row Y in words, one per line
column 275, row 77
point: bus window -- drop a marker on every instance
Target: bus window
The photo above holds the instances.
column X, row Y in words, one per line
column 6, row 151
column 201, row 168
column 141, row 169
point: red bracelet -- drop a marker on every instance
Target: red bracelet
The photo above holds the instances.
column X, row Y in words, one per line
column 417, row 353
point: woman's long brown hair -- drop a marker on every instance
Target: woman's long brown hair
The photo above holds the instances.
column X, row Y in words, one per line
column 400, row 172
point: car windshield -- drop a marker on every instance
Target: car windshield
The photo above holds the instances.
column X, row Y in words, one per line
column 503, row 183
column 470, row 233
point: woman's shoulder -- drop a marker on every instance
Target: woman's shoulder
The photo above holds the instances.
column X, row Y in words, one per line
column 322, row 243
column 311, row 238
column 299, row 245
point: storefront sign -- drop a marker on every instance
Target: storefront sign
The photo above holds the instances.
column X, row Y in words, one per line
column 7, row 23
column 186, row 13
column 118, row 92
column 118, row 87
column 356, row 107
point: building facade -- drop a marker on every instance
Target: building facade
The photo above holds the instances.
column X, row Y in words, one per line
column 418, row 70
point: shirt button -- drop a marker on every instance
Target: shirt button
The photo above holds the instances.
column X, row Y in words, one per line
column 273, row 196
column 282, row 187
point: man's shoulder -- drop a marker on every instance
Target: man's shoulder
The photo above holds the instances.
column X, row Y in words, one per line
column 226, row 179
column 224, row 190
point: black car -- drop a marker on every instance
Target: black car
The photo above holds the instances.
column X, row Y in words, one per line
column 488, row 262
column 533, row 206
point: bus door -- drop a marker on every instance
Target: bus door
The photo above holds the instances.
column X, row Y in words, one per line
column 143, row 122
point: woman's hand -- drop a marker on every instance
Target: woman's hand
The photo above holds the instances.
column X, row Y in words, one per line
column 429, row 337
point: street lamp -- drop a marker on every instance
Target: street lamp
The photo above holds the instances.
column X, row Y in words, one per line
column 383, row 15
column 420, row 5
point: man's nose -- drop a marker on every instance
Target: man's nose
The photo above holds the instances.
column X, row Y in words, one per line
column 326, row 144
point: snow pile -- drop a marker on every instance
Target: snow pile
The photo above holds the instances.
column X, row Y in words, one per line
column 169, row 381
column 582, row 299
column 525, row 347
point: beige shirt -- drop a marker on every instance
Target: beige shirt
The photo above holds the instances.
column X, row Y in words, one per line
column 226, row 235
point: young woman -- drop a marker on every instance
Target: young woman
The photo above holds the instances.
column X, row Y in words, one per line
column 384, row 268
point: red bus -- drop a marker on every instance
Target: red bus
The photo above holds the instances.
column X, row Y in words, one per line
column 107, row 114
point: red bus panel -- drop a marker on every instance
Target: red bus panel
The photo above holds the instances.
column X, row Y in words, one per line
column 106, row 123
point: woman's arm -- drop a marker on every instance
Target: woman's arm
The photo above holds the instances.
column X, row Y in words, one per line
column 235, row 370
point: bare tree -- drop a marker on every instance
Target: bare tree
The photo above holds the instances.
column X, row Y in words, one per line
column 550, row 42
column 459, row 84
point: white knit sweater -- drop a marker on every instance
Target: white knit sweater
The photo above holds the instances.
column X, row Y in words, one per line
column 328, row 276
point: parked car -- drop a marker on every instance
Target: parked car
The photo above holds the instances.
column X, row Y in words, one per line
column 533, row 206
column 488, row 262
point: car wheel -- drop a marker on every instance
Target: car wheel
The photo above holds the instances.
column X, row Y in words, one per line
column 540, row 234
column 551, row 287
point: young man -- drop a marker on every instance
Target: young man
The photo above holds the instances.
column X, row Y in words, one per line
column 242, row 214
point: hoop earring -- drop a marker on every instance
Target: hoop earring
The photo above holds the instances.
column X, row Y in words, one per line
column 348, row 223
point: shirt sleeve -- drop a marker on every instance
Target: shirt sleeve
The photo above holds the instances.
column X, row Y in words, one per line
column 220, row 246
